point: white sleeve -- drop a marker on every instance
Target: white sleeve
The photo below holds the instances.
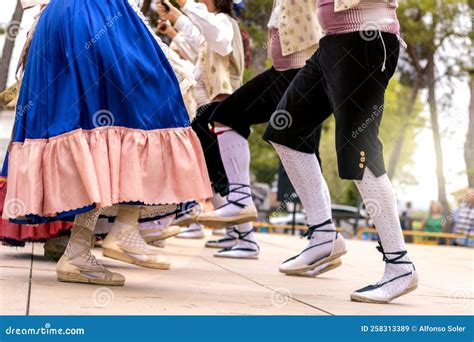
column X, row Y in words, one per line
column 184, row 48
column 31, row 3
column 216, row 28
column 189, row 31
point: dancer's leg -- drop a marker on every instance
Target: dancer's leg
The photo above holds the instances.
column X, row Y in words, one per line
column 329, row 266
column 400, row 276
column 125, row 243
column 186, row 219
column 358, row 108
column 187, row 214
column 78, row 264
column 296, row 144
column 231, row 237
column 158, row 230
column 251, row 104
column 235, row 153
column 247, row 248
column 305, row 174
column 210, row 147
column 193, row 231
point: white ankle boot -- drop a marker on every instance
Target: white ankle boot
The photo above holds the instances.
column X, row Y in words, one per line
column 187, row 214
column 246, row 248
column 130, row 247
column 230, row 239
column 155, row 231
column 233, row 212
column 85, row 268
column 304, row 261
column 194, row 231
column 320, row 269
column 78, row 265
column 404, row 280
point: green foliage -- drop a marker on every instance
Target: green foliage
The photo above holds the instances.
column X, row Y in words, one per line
column 432, row 29
column 265, row 161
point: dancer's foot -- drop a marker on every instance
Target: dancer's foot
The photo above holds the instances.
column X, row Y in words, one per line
column 158, row 243
column 131, row 248
column 320, row 269
column 78, row 265
column 230, row 239
column 86, row 269
column 55, row 247
column 187, row 214
column 238, row 209
column 154, row 231
column 322, row 248
column 194, row 231
column 247, row 248
column 400, row 278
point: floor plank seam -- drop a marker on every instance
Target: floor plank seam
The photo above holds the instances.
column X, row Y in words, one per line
column 268, row 288
column 30, row 280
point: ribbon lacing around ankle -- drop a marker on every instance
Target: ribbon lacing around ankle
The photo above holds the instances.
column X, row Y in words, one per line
column 394, row 260
column 229, row 236
column 185, row 208
column 242, row 237
column 312, row 229
column 92, row 259
column 237, row 190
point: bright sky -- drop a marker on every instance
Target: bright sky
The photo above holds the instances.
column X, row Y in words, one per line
column 424, row 168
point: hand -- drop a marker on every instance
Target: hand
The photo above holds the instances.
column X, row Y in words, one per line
column 167, row 11
column 164, row 27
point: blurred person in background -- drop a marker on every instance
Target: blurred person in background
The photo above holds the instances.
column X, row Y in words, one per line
column 406, row 220
column 208, row 34
column 293, row 36
column 434, row 221
column 463, row 220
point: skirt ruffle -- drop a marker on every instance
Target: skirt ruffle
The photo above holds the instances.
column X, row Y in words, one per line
column 20, row 232
column 103, row 167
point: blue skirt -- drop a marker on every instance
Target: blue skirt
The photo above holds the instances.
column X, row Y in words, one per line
column 95, row 57
column 100, row 118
